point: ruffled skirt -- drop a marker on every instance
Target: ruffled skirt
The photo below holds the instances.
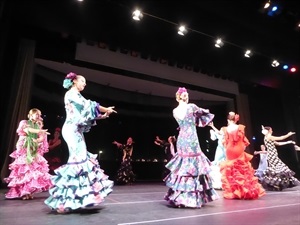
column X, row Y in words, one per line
column 79, row 185
column 278, row 180
column 27, row 179
column 238, row 180
column 189, row 182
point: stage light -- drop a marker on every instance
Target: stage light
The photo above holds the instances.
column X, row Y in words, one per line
column 248, row 53
column 297, row 27
column 219, row 43
column 293, row 70
column 137, row 15
column 274, row 8
column 267, row 5
column 285, row 67
column 275, row 63
column 182, row 30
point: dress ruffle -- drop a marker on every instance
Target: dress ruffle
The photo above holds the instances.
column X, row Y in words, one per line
column 125, row 173
column 203, row 117
column 189, row 191
column 277, row 181
column 238, row 181
column 189, row 182
column 79, row 185
column 278, row 175
column 27, row 178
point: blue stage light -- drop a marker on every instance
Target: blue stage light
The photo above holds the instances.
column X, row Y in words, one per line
column 274, row 8
column 285, row 67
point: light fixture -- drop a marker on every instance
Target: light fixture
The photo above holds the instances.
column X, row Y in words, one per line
column 285, row 67
column 248, row 53
column 137, row 15
column 297, row 27
column 267, row 5
column 182, row 30
column 274, row 9
column 219, row 43
column 275, row 63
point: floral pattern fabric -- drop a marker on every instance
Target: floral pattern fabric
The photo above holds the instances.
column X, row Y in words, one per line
column 81, row 182
column 125, row 173
column 189, row 181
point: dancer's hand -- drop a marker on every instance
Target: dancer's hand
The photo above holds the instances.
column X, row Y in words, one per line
column 110, row 110
column 291, row 133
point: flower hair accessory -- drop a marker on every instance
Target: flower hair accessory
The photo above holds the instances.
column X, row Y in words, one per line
column 264, row 131
column 68, row 81
column 181, row 90
column 71, row 76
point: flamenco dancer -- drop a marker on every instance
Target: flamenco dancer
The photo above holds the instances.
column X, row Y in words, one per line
column 189, row 182
column 277, row 176
column 125, row 174
column 81, row 182
column 238, row 180
column 220, row 155
column 29, row 170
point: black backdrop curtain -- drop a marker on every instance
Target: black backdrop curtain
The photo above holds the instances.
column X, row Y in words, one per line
column 19, row 99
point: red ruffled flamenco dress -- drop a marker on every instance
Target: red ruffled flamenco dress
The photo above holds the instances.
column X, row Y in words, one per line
column 238, row 180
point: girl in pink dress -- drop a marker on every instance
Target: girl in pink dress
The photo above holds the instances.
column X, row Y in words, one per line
column 29, row 169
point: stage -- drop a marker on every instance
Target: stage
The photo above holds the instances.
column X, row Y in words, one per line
column 142, row 203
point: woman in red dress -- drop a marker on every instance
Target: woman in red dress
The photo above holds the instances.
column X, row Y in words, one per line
column 238, row 180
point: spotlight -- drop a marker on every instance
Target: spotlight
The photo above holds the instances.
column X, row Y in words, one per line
column 285, row 67
column 293, row 70
column 274, row 9
column 297, row 27
column 248, row 53
column 275, row 63
column 137, row 15
column 219, row 43
column 267, row 5
column 182, row 30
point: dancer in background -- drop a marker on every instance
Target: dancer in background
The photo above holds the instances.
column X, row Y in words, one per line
column 125, row 174
column 169, row 149
column 189, row 181
column 54, row 156
column 238, row 180
column 263, row 163
column 220, row 155
column 81, row 182
column 277, row 176
column 29, row 170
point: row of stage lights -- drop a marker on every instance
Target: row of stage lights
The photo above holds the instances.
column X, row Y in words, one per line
column 137, row 15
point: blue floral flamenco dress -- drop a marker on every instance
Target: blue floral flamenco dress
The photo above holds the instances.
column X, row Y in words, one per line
column 189, row 182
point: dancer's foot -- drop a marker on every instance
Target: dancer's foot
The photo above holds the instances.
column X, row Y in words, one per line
column 25, row 197
column 60, row 211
